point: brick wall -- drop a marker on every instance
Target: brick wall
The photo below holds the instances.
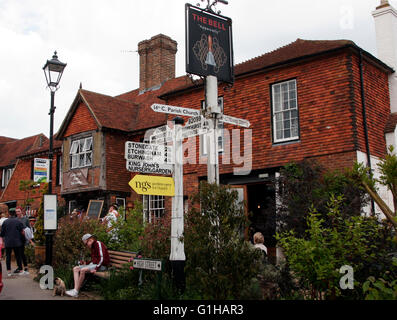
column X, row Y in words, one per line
column 324, row 112
column 329, row 112
column 22, row 171
column 157, row 61
column 117, row 176
column 377, row 106
column 82, row 121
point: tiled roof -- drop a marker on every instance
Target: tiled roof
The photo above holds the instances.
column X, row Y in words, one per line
column 9, row 151
column 147, row 117
column 297, row 50
column 44, row 148
column 110, row 112
column 391, row 123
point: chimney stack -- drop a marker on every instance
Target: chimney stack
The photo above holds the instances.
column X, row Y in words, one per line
column 386, row 41
column 156, row 61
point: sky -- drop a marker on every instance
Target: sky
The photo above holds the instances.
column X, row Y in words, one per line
column 98, row 40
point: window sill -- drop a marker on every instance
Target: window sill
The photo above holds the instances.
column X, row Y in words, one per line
column 285, row 143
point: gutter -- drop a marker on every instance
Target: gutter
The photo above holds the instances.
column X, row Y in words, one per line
column 364, row 112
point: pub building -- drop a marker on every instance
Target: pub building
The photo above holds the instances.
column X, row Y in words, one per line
column 326, row 100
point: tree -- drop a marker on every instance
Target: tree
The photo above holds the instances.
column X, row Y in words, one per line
column 388, row 169
column 220, row 264
column 27, row 186
column 307, row 185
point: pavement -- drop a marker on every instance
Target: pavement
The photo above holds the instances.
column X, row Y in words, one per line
column 24, row 287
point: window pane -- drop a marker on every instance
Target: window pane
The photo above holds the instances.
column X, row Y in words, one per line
column 292, row 104
column 286, row 115
column 279, row 134
column 287, row 124
column 292, row 85
column 74, row 161
column 82, row 160
column 88, row 158
column 287, row 133
column 88, row 144
column 73, row 148
column 284, row 88
column 81, row 145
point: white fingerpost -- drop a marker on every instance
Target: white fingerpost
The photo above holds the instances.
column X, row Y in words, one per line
column 212, row 112
column 177, row 246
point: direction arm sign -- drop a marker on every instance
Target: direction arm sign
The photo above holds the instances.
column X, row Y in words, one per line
column 188, row 112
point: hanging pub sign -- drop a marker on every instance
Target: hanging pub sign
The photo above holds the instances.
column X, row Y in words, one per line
column 209, row 46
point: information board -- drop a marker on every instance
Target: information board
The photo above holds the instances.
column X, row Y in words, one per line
column 94, row 209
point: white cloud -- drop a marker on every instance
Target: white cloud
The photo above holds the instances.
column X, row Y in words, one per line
column 98, row 40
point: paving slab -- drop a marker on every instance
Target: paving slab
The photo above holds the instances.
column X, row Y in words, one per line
column 24, row 287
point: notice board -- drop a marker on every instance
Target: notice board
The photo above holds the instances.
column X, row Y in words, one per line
column 94, row 209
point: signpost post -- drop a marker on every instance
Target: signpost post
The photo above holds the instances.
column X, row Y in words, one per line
column 177, row 255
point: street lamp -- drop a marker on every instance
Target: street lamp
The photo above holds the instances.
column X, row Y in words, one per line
column 53, row 70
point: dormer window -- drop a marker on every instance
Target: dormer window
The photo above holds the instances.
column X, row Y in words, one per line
column 81, row 153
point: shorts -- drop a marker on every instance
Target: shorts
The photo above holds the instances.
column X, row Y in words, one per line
column 92, row 266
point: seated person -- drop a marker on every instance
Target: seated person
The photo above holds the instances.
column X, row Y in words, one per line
column 258, row 242
column 99, row 262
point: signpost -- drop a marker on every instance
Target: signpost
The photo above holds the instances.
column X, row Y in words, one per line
column 153, row 185
column 188, row 112
column 162, row 135
column 235, row 121
column 195, row 126
column 147, row 264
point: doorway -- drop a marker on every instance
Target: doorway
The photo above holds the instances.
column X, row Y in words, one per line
column 262, row 211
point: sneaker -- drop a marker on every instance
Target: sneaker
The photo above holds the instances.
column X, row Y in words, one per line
column 72, row 293
column 26, row 271
column 18, row 271
column 9, row 274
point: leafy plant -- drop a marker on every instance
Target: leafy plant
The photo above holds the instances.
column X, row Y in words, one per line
column 128, row 231
column 388, row 178
column 220, row 264
column 316, row 258
column 27, row 186
column 307, row 185
column 39, row 235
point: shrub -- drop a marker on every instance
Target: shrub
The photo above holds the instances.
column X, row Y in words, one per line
column 307, row 184
column 220, row 264
column 128, row 231
column 68, row 247
column 316, row 258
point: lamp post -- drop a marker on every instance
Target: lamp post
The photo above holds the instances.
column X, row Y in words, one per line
column 53, row 70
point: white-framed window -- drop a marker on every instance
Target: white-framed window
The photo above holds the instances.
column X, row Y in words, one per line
column 81, row 153
column 6, row 176
column 72, row 205
column 203, row 138
column 153, row 207
column 285, row 111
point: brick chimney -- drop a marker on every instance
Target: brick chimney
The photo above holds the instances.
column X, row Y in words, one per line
column 156, row 61
column 385, row 17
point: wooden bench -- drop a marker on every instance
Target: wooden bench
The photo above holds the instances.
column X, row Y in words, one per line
column 117, row 260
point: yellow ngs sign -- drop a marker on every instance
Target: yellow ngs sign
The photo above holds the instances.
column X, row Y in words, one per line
column 153, row 185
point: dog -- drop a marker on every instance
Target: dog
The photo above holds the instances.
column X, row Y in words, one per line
column 59, row 287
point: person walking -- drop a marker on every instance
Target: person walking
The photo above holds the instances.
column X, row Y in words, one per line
column 26, row 226
column 12, row 234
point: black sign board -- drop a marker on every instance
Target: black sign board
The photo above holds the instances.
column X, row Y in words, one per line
column 209, row 46
column 94, row 209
